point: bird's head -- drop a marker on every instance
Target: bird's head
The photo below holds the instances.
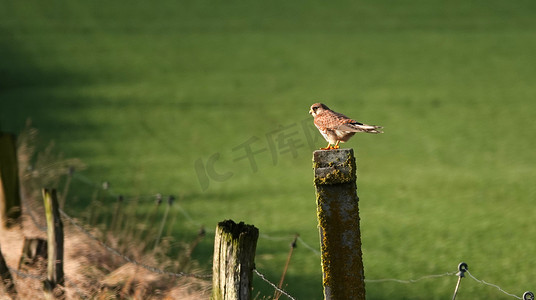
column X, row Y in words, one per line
column 317, row 109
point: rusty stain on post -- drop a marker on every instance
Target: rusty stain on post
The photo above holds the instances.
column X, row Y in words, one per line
column 338, row 221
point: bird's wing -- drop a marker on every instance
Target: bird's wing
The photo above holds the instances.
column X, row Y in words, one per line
column 331, row 120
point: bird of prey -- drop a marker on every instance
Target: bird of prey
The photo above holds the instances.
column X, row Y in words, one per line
column 336, row 127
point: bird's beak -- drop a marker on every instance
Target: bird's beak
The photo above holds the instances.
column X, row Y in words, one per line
column 310, row 111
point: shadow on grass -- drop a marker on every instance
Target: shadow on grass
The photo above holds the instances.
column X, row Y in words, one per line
column 29, row 90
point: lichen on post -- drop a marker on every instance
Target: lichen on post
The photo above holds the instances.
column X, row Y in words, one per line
column 338, row 222
column 234, row 260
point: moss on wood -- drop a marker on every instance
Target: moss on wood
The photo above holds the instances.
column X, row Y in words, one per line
column 338, row 221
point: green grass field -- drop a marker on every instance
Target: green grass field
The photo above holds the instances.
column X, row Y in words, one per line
column 147, row 94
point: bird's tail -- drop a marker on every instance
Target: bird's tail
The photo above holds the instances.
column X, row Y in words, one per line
column 360, row 127
column 371, row 128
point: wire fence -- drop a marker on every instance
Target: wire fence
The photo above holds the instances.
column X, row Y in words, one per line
column 126, row 258
column 460, row 273
column 526, row 296
column 43, row 278
column 272, row 284
column 184, row 212
column 408, row 281
column 105, row 186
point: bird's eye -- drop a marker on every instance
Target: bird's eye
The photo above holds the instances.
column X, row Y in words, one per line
column 315, row 108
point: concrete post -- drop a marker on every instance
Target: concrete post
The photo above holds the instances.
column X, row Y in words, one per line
column 338, row 222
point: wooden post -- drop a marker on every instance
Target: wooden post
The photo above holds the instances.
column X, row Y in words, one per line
column 234, row 260
column 9, row 181
column 150, row 221
column 54, row 243
column 338, row 222
column 6, row 279
column 163, row 223
column 117, row 218
column 32, row 250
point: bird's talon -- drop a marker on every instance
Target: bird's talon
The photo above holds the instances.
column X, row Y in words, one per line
column 330, row 148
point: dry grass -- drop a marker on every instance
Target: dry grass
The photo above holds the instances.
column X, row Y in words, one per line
column 91, row 271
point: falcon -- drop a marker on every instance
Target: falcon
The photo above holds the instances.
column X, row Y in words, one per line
column 336, row 127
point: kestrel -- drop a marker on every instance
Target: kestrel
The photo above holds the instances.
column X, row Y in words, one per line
column 336, row 127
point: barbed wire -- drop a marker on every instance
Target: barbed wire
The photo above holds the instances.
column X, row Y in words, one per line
column 127, row 258
column 27, row 275
column 407, row 281
column 106, row 187
column 184, row 212
column 307, row 246
column 32, row 217
column 492, row 285
column 44, row 278
column 190, row 219
column 272, row 284
column 273, row 238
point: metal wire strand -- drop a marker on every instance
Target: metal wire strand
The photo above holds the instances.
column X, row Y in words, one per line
column 409, row 280
column 307, row 246
column 273, row 284
column 492, row 285
column 27, row 275
column 87, row 181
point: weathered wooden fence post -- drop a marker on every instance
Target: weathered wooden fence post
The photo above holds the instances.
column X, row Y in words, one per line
column 9, row 181
column 54, row 243
column 6, row 279
column 32, row 250
column 234, row 260
column 338, row 221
